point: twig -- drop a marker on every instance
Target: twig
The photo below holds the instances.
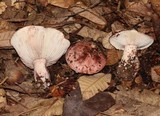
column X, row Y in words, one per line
column 4, row 80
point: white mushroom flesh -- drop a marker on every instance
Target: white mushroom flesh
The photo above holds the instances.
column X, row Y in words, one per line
column 130, row 52
column 39, row 47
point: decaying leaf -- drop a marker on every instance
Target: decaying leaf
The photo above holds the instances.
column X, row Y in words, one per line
column 113, row 56
column 105, row 41
column 4, row 25
column 145, row 96
column 88, row 13
column 90, row 85
column 48, row 107
column 3, row 7
column 155, row 73
column 3, row 100
column 100, row 102
column 156, row 25
column 5, row 39
column 117, row 27
column 72, row 28
column 138, row 7
column 15, row 72
column 62, row 3
column 156, row 6
column 75, row 106
column 96, row 35
column 93, row 33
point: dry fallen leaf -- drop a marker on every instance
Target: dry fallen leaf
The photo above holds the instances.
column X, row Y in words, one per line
column 156, row 6
column 90, row 85
column 105, row 41
column 3, row 7
column 89, row 14
column 62, row 3
column 3, row 100
column 112, row 56
column 155, row 73
column 5, row 39
column 117, row 27
column 145, row 96
column 75, row 106
column 93, row 33
column 48, row 107
column 138, row 7
column 5, row 25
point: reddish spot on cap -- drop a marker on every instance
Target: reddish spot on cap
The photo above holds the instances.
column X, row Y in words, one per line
column 85, row 57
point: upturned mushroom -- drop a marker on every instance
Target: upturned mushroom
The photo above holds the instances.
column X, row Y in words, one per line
column 39, row 47
column 130, row 41
column 85, row 57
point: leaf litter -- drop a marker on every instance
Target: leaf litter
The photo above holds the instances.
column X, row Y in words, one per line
column 94, row 20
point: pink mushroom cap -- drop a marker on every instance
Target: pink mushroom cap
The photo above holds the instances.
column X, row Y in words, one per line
column 85, row 57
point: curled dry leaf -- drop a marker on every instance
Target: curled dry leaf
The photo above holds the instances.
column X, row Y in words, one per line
column 62, row 3
column 3, row 7
column 105, row 41
column 5, row 39
column 155, row 73
column 89, row 14
column 48, row 107
column 90, row 85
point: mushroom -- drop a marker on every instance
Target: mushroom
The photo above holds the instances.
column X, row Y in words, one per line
column 85, row 57
column 130, row 41
column 39, row 47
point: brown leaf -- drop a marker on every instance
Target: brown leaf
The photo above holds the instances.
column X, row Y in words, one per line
column 155, row 73
column 2, row 7
column 74, row 106
column 156, row 6
column 138, row 7
column 88, row 13
column 112, row 56
column 48, row 107
column 3, row 100
column 145, row 96
column 62, row 3
column 156, row 25
column 100, row 102
column 96, row 35
column 5, row 39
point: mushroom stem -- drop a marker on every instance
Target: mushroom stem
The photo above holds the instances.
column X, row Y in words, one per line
column 129, row 65
column 40, row 71
column 129, row 54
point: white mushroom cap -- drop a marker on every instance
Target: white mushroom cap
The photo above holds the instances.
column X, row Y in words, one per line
column 131, row 37
column 37, row 42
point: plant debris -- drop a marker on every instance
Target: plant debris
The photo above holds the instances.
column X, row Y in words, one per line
column 101, row 93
